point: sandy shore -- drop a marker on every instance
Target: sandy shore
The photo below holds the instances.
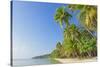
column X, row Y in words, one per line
column 76, row 60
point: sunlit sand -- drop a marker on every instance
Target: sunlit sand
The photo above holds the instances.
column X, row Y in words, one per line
column 76, row 60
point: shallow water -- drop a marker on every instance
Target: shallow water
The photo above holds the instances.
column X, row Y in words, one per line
column 29, row 62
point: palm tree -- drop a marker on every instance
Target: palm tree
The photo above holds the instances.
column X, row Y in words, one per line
column 77, row 42
column 87, row 16
column 70, row 31
column 58, row 46
column 62, row 16
column 71, row 41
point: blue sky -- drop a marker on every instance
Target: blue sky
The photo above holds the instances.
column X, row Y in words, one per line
column 35, row 31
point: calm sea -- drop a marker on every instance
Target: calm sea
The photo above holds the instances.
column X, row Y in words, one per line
column 29, row 62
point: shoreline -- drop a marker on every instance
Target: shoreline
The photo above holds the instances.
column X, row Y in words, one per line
column 76, row 60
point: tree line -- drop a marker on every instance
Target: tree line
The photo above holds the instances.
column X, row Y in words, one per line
column 79, row 41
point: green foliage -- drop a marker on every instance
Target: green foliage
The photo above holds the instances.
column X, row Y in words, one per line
column 87, row 16
column 77, row 42
column 62, row 16
column 58, row 45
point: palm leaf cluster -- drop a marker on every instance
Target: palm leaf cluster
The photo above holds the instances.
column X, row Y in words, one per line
column 77, row 42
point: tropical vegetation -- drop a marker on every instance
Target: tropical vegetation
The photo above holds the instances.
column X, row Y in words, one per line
column 79, row 40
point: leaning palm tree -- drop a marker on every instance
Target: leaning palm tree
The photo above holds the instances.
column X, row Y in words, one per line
column 90, row 14
column 87, row 16
column 71, row 41
column 62, row 16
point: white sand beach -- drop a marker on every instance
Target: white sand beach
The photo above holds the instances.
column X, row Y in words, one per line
column 76, row 60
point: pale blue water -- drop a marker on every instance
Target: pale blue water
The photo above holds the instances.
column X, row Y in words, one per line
column 29, row 62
